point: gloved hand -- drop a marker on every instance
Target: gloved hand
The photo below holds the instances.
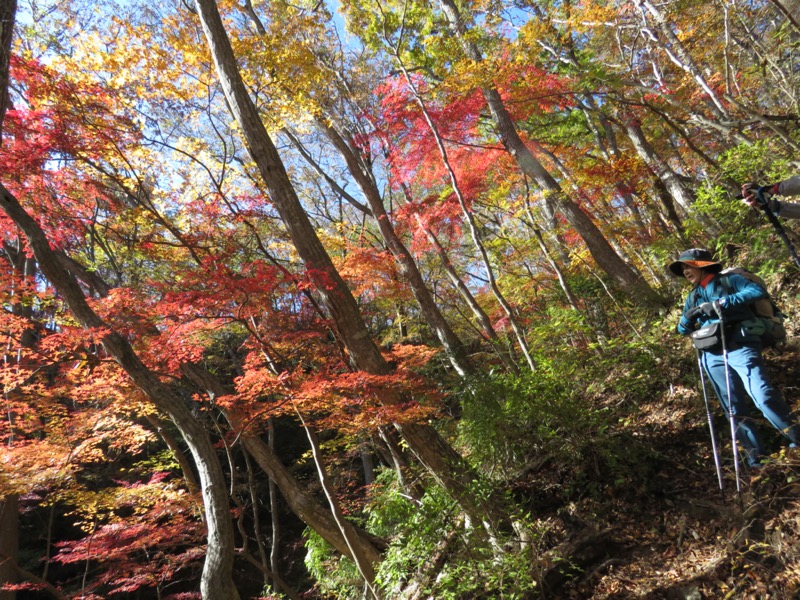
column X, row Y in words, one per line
column 749, row 190
column 706, row 308
column 760, row 196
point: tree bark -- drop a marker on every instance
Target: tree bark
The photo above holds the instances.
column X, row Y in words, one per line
column 336, row 297
column 9, row 511
column 8, row 10
column 656, row 164
column 183, row 462
column 364, row 566
column 9, row 543
column 485, row 323
column 679, row 55
column 275, row 522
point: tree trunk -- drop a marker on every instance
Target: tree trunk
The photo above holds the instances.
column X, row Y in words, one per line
column 485, row 323
column 275, row 522
column 790, row 9
column 300, row 501
column 365, row 567
column 183, row 462
column 336, row 297
column 216, row 581
column 468, row 217
column 656, row 164
column 9, row 511
column 408, row 267
column 8, row 10
column 679, row 55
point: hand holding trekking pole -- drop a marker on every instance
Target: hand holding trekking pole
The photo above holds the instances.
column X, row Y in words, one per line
column 706, row 308
column 761, row 197
column 758, row 196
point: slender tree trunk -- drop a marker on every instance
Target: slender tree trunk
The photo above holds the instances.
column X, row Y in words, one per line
column 408, row 267
column 183, row 461
column 674, row 48
column 672, row 182
column 482, row 318
column 301, row 502
column 609, row 149
column 603, row 253
column 395, row 457
column 562, row 281
column 790, row 9
column 468, row 217
column 335, row 295
column 8, row 10
column 364, row 566
column 216, row 580
column 275, row 533
column 9, row 505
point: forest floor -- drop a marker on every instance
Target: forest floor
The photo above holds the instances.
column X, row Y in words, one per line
column 676, row 535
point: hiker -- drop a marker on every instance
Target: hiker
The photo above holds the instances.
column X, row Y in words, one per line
column 747, row 372
column 787, row 187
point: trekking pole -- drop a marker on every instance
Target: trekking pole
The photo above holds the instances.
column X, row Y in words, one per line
column 718, row 309
column 764, row 204
column 710, row 421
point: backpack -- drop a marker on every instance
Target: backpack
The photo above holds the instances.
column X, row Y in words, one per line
column 767, row 321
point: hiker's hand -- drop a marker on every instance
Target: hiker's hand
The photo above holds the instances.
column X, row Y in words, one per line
column 706, row 308
column 749, row 192
column 709, row 308
column 693, row 313
column 754, row 195
column 761, row 196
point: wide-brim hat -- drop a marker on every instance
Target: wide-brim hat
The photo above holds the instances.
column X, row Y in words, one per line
column 695, row 257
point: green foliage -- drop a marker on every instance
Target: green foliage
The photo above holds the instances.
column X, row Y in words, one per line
column 335, row 574
column 627, row 370
column 559, row 322
column 561, row 414
column 421, row 532
column 509, row 418
column 762, row 162
column 158, row 462
column 738, row 227
column 432, row 528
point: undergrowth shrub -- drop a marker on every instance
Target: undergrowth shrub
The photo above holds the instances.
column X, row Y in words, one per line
column 571, row 412
column 434, row 551
column 336, row 575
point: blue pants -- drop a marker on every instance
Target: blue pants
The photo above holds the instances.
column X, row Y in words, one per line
column 748, row 377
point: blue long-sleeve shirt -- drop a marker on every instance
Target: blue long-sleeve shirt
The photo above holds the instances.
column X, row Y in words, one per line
column 736, row 300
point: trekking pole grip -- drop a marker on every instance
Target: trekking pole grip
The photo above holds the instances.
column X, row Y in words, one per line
column 718, row 309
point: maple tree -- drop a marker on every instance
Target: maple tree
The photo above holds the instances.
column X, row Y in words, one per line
column 229, row 267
